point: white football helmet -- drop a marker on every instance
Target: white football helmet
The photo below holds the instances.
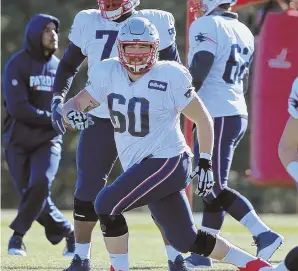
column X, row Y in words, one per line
column 138, row 31
column 113, row 9
column 207, row 6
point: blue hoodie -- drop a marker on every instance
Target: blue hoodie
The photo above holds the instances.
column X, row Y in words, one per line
column 28, row 89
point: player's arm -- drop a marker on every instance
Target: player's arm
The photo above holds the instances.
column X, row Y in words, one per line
column 199, row 115
column 187, row 101
column 16, row 96
column 82, row 102
column 200, row 67
column 75, row 109
column 288, row 145
column 203, row 47
column 67, row 69
column 288, row 148
column 170, row 53
column 167, row 32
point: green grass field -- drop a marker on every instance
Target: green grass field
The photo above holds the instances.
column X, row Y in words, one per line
column 145, row 246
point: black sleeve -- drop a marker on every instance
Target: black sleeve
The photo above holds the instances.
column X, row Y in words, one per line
column 200, row 67
column 67, row 69
column 16, row 96
column 170, row 53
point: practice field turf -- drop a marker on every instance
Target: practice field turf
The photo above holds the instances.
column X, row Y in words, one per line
column 145, row 246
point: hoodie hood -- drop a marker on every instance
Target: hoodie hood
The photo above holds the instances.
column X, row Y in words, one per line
column 33, row 34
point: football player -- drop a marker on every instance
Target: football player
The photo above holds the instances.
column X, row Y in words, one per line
column 220, row 52
column 288, row 145
column 145, row 98
column 93, row 35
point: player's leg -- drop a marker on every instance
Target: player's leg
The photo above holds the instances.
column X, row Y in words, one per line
column 174, row 214
column 147, row 181
column 290, row 263
column 18, row 164
column 229, row 131
column 44, row 164
column 96, row 155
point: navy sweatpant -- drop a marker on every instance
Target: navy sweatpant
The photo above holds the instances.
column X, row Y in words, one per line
column 158, row 183
column 228, row 131
column 33, row 174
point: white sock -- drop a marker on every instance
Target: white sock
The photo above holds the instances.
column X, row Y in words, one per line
column 119, row 261
column 281, row 267
column 238, row 257
column 210, row 230
column 172, row 253
column 254, row 223
column 83, row 250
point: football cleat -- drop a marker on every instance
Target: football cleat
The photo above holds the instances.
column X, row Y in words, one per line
column 178, row 264
column 197, row 261
column 16, row 246
column 77, row 264
column 69, row 250
column 267, row 243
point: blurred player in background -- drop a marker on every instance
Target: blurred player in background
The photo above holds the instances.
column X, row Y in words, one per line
column 288, row 146
column 145, row 99
column 32, row 146
column 220, row 52
column 288, row 154
column 93, row 35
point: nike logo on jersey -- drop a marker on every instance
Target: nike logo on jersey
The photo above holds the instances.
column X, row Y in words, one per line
column 153, row 84
column 202, row 37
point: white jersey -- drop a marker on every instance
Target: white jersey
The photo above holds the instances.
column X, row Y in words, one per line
column 97, row 36
column 232, row 44
column 146, row 113
column 293, row 100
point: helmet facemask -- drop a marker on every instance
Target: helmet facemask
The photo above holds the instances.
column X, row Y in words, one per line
column 141, row 62
column 114, row 9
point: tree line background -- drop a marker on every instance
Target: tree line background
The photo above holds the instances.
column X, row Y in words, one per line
column 15, row 14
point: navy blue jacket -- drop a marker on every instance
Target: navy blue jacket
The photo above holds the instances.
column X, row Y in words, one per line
column 28, row 89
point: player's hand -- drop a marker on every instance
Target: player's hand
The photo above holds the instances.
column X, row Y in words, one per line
column 78, row 120
column 203, row 173
column 57, row 118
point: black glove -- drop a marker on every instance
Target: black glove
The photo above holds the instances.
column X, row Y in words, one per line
column 203, row 173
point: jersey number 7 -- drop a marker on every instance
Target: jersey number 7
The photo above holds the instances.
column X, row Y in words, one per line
column 236, row 66
column 110, row 41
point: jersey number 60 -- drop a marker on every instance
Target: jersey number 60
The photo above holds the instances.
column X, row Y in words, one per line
column 119, row 120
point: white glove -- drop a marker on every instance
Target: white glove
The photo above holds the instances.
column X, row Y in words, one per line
column 78, row 120
column 203, row 173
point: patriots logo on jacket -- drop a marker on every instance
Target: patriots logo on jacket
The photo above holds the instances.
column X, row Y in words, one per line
column 42, row 82
column 202, row 37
